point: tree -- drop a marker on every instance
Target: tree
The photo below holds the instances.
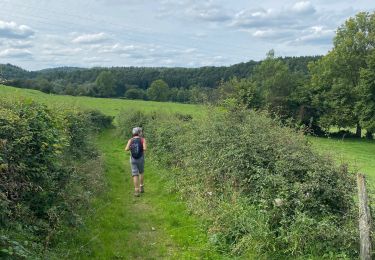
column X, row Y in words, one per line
column 242, row 91
column 135, row 93
column 275, row 83
column 43, row 85
column 183, row 95
column 366, row 104
column 69, row 90
column 106, row 86
column 173, row 94
column 338, row 77
column 197, row 95
column 158, row 91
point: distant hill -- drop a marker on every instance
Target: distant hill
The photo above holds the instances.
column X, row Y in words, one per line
column 59, row 69
column 9, row 71
column 81, row 81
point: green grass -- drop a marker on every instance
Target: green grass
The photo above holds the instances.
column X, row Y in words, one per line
column 106, row 105
column 358, row 153
column 156, row 225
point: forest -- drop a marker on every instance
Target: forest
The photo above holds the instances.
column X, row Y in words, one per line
column 133, row 82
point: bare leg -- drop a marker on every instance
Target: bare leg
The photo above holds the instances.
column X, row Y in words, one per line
column 141, row 183
column 136, row 183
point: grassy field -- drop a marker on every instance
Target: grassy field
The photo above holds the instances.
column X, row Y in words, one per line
column 360, row 154
column 106, row 105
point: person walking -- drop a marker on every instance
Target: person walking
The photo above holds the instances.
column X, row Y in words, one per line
column 137, row 147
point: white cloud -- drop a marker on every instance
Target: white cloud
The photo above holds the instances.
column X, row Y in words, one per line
column 20, row 44
column 96, row 61
column 192, row 9
column 60, row 51
column 168, row 62
column 304, row 7
column 200, row 34
column 123, row 2
column 15, row 53
column 190, row 50
column 291, row 17
column 117, row 48
column 291, row 25
column 208, row 12
column 14, row 31
column 316, row 35
column 272, row 34
column 90, row 38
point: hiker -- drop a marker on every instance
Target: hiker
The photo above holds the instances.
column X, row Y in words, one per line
column 137, row 146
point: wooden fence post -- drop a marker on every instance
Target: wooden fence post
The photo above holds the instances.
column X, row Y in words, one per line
column 364, row 219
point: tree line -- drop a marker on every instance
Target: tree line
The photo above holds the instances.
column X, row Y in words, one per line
column 338, row 91
column 319, row 92
column 184, row 84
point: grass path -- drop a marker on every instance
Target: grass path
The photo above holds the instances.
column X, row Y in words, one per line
column 154, row 226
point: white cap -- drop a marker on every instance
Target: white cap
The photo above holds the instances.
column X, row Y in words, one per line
column 136, row 130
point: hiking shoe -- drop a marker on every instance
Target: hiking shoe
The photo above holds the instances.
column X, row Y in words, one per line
column 142, row 189
column 136, row 194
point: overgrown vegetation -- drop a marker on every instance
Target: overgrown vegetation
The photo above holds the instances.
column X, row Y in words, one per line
column 44, row 178
column 262, row 189
column 335, row 90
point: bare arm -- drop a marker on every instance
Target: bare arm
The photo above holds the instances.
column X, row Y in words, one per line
column 127, row 148
column 144, row 145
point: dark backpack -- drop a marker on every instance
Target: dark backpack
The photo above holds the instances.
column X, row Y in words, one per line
column 136, row 148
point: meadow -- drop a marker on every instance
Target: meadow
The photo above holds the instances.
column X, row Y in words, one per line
column 108, row 106
column 359, row 154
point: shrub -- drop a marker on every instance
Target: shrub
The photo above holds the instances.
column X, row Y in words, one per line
column 99, row 120
column 79, row 125
column 42, row 153
column 32, row 141
column 128, row 119
column 259, row 184
column 135, row 93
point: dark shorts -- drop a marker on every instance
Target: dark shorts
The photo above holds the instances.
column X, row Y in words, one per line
column 137, row 165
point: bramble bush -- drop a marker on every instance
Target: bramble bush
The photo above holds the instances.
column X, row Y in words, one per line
column 41, row 156
column 99, row 120
column 258, row 183
column 128, row 119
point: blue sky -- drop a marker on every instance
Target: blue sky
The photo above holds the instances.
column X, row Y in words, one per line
column 186, row 33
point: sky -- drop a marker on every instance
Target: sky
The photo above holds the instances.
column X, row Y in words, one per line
column 38, row 34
